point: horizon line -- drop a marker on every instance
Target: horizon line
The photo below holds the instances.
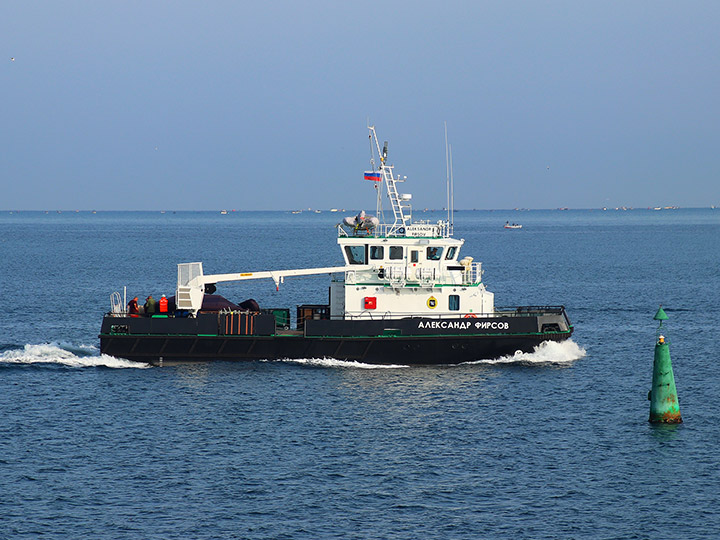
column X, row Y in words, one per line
column 323, row 210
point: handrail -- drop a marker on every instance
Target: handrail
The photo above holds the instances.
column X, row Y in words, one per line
column 417, row 229
column 116, row 305
column 521, row 311
column 407, row 275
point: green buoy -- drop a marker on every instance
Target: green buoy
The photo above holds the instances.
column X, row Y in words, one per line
column 664, row 405
column 660, row 316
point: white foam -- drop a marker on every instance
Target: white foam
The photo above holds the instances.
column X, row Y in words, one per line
column 67, row 355
column 548, row 352
column 334, row 363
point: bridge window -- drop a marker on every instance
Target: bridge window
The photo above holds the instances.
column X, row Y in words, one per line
column 414, row 256
column 377, row 252
column 454, row 302
column 356, row 254
column 451, row 253
column 434, row 253
column 396, row 252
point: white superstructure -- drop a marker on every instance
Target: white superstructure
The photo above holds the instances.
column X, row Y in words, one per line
column 392, row 270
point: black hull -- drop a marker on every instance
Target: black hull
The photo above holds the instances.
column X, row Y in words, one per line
column 407, row 341
column 415, row 350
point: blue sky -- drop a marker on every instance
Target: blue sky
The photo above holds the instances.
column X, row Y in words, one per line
column 264, row 105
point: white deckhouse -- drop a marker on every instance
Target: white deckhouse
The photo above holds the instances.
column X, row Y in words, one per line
column 392, row 270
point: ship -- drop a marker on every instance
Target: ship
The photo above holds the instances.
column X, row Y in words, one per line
column 403, row 296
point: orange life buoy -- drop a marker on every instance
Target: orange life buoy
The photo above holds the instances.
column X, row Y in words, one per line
column 471, row 316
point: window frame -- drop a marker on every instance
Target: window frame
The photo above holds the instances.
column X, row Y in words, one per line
column 436, row 257
column 376, row 248
column 348, row 251
column 395, row 248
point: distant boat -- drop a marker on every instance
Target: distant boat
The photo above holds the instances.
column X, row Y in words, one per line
column 317, row 211
column 509, row 225
column 333, row 209
column 223, row 212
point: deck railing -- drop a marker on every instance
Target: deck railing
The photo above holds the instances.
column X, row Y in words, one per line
column 419, row 229
column 401, row 276
column 522, row 311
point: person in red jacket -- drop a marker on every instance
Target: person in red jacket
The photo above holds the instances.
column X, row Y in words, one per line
column 163, row 304
column 133, row 307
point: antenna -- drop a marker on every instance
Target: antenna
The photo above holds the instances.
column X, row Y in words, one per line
column 447, row 171
column 452, row 194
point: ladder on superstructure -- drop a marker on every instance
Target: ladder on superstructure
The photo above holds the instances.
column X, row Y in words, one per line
column 398, row 208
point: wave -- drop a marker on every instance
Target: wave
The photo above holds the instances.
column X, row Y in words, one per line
column 334, row 363
column 79, row 356
column 548, row 352
column 66, row 354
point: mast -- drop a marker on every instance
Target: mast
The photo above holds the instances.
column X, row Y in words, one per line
column 449, row 182
column 401, row 219
column 452, row 194
column 378, row 192
column 447, row 172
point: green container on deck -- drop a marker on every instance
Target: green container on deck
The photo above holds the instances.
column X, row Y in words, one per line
column 282, row 316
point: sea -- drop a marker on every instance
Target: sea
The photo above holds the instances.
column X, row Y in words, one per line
column 553, row 444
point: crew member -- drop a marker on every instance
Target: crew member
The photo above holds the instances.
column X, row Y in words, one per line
column 150, row 306
column 163, row 304
column 133, row 309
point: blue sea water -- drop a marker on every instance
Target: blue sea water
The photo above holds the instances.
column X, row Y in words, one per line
column 553, row 444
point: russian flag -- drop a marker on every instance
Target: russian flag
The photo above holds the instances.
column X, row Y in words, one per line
column 372, row 175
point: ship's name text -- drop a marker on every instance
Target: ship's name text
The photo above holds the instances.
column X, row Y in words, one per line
column 464, row 325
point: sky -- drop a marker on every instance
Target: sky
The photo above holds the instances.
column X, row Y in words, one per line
column 189, row 105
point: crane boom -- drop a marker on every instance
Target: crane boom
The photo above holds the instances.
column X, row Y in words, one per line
column 275, row 275
column 191, row 281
